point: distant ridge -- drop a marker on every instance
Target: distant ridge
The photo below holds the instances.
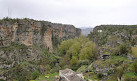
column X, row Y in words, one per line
column 86, row 30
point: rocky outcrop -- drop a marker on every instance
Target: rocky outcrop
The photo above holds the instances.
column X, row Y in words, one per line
column 48, row 39
column 31, row 32
column 70, row 75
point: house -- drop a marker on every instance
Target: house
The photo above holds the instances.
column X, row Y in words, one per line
column 100, row 31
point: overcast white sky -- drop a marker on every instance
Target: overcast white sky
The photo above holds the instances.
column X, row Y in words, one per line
column 80, row 13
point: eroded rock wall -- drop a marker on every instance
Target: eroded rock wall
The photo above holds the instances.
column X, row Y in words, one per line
column 31, row 32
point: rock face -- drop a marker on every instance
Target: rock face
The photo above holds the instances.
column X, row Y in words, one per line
column 21, row 40
column 69, row 75
column 31, row 32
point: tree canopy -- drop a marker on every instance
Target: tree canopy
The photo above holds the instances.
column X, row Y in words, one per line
column 76, row 50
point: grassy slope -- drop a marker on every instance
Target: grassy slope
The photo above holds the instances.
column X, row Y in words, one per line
column 47, row 77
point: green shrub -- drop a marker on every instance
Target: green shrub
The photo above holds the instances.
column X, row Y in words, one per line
column 43, row 30
column 134, row 78
column 116, row 51
column 123, row 49
column 86, row 79
column 82, row 68
column 100, row 75
column 83, row 62
column 19, row 73
column 47, row 67
column 35, row 74
column 55, row 69
column 135, row 66
column 127, row 78
column 110, row 72
column 120, row 72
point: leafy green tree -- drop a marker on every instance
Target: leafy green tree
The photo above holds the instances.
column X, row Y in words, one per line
column 74, row 60
column 123, row 49
column 78, row 49
column 64, row 60
column 86, row 52
column 75, row 48
column 65, row 45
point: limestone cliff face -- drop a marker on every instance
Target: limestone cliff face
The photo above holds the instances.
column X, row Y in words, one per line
column 48, row 39
column 24, row 40
column 31, row 32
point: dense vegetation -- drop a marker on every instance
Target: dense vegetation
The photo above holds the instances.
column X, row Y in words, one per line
column 110, row 57
column 71, row 53
column 118, row 42
column 27, row 70
column 113, row 34
column 77, row 52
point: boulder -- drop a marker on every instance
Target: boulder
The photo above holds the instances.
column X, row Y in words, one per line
column 70, row 75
